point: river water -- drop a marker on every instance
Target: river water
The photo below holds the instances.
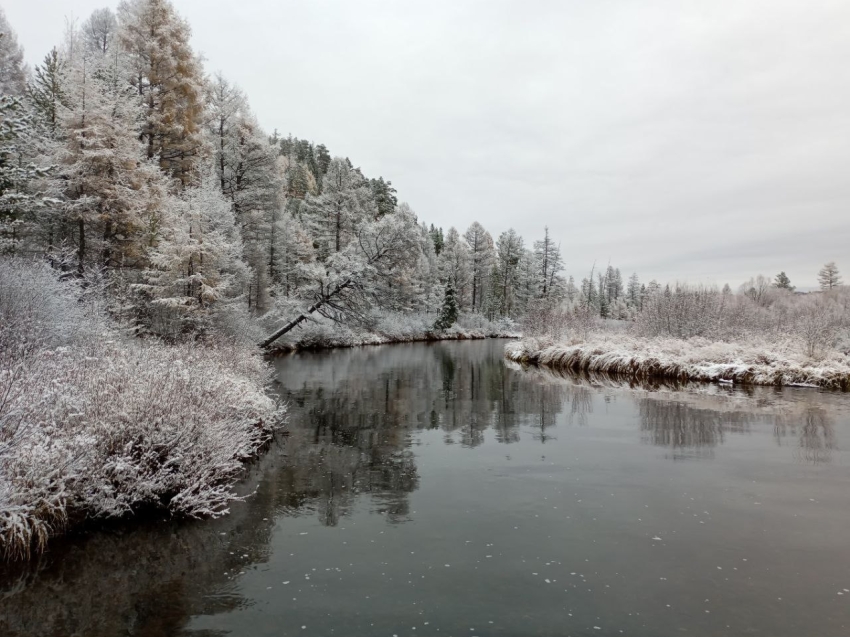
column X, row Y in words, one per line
column 434, row 489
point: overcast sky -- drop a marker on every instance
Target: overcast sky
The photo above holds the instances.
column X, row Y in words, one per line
column 706, row 140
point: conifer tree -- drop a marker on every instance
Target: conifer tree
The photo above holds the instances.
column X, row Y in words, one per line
column 167, row 76
column 449, row 311
column 828, row 276
column 782, row 282
column 48, row 90
column 13, row 74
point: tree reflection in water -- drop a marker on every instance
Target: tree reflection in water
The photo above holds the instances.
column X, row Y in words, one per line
column 355, row 418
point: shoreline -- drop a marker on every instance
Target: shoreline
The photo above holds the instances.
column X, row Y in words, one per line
column 378, row 339
column 721, row 363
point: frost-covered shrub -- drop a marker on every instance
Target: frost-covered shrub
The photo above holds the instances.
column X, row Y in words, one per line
column 93, row 425
column 37, row 309
column 110, row 428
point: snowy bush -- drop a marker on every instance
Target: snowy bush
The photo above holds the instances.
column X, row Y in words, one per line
column 96, row 426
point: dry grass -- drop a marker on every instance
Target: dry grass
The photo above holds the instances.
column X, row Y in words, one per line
column 697, row 359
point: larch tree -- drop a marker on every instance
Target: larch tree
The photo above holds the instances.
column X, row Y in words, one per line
column 167, row 76
column 509, row 249
column 247, row 171
column 198, row 259
column 828, row 276
column 111, row 194
column 293, row 256
column 633, row 290
column 99, row 31
column 13, row 73
column 345, row 203
column 548, row 267
column 481, row 253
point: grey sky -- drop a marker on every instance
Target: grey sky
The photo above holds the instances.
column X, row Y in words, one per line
column 704, row 140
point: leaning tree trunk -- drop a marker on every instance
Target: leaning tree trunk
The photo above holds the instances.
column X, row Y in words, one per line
column 305, row 315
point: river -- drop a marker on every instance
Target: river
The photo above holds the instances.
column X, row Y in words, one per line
column 434, row 489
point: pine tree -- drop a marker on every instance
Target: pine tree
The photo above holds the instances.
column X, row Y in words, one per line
column 449, row 311
column 783, row 282
column 48, row 90
column 384, row 195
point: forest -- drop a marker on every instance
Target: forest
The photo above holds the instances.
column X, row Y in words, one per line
column 155, row 242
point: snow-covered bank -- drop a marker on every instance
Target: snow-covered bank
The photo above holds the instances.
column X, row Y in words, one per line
column 698, row 359
column 98, row 425
column 392, row 328
column 108, row 430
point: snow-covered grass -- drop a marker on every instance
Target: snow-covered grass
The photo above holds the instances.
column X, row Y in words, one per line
column 391, row 328
column 760, row 362
column 96, row 426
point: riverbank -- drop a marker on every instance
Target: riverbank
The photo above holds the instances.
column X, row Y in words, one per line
column 107, row 430
column 323, row 334
column 96, row 424
column 775, row 363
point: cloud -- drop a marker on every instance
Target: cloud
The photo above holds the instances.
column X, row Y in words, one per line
column 679, row 138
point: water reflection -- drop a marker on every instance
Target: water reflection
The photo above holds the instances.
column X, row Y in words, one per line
column 814, row 428
column 356, row 419
column 686, row 430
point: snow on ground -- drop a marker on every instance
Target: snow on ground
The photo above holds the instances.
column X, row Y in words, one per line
column 757, row 362
column 392, row 328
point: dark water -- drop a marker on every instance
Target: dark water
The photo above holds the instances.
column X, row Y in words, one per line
column 431, row 489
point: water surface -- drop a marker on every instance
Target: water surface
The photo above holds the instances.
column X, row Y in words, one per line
column 433, row 489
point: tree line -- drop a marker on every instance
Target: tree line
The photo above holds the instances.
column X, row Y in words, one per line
column 119, row 155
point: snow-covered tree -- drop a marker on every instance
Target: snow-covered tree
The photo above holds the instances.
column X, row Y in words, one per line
column 449, row 311
column 293, row 256
column 453, row 264
column 828, row 276
column 19, row 171
column 481, row 253
column 167, row 76
column 13, row 74
column 197, row 260
column 111, row 193
column 98, row 33
column 345, row 203
column 509, row 249
column 48, row 90
column 782, row 282
column 548, row 265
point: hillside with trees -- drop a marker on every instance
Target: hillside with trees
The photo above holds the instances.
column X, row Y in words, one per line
column 155, row 241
